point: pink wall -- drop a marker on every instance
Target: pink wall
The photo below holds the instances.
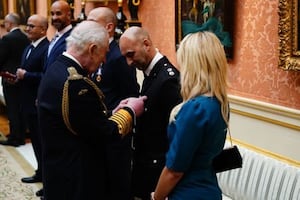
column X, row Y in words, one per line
column 254, row 71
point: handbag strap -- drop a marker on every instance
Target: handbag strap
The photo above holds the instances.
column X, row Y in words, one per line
column 228, row 131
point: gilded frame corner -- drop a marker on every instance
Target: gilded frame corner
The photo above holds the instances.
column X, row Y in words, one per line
column 184, row 12
column 289, row 50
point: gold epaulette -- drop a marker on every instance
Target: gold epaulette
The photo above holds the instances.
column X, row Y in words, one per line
column 73, row 75
column 124, row 120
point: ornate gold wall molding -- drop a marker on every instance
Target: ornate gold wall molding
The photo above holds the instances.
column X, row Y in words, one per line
column 289, row 54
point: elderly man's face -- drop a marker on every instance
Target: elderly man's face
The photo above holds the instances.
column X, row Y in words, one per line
column 97, row 57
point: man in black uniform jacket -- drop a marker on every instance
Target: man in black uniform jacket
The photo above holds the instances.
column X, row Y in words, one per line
column 75, row 124
column 161, row 86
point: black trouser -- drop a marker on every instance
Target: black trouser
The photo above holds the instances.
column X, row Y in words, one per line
column 15, row 117
column 36, row 141
column 145, row 176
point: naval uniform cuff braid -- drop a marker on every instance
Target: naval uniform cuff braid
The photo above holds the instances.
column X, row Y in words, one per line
column 124, row 120
column 132, row 113
column 130, row 110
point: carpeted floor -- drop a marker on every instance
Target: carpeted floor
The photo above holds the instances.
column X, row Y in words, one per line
column 12, row 168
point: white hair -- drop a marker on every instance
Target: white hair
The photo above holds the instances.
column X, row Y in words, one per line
column 85, row 33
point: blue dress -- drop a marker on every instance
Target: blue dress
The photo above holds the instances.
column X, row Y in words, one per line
column 196, row 136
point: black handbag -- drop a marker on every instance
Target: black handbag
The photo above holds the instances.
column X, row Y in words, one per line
column 229, row 158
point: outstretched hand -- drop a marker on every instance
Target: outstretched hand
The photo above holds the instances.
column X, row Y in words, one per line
column 135, row 103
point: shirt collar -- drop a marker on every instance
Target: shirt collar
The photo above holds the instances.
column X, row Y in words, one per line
column 156, row 58
column 15, row 28
column 66, row 29
column 111, row 39
column 72, row 58
column 35, row 43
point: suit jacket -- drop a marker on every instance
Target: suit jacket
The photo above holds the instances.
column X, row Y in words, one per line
column 57, row 50
column 150, row 140
column 163, row 92
column 34, row 67
column 12, row 46
column 118, row 80
column 74, row 165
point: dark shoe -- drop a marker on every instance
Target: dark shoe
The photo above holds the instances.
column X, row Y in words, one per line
column 40, row 193
column 14, row 143
column 32, row 179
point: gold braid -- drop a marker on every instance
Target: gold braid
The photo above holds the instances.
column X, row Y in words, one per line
column 73, row 75
column 135, row 2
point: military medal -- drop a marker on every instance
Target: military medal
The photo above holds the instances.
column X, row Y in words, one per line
column 98, row 78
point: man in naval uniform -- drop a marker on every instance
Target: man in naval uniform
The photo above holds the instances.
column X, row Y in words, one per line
column 161, row 86
column 74, row 122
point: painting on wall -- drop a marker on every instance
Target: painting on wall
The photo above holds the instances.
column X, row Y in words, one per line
column 216, row 16
column 25, row 8
column 3, row 9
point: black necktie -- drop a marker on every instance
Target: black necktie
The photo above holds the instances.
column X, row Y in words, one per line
column 29, row 51
column 146, row 83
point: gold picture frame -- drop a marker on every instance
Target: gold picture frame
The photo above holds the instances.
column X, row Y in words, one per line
column 3, row 9
column 25, row 8
column 205, row 14
column 288, row 31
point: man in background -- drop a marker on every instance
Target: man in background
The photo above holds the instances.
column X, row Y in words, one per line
column 12, row 46
column 61, row 20
column 117, row 81
column 29, row 75
column 161, row 86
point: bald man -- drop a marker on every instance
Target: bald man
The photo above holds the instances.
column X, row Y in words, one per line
column 61, row 19
column 161, row 86
column 29, row 75
column 117, row 81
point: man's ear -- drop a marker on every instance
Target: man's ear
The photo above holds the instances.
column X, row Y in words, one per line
column 92, row 48
column 110, row 27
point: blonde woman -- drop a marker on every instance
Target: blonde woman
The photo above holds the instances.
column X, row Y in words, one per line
column 197, row 128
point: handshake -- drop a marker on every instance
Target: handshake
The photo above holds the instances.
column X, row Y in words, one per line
column 136, row 104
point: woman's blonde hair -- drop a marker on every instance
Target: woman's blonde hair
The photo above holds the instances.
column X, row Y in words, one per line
column 203, row 67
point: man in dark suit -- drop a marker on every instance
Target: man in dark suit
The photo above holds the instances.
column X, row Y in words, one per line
column 75, row 124
column 61, row 20
column 117, row 81
column 12, row 46
column 29, row 76
column 161, row 86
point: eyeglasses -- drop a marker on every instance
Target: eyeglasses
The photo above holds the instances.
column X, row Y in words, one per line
column 31, row 26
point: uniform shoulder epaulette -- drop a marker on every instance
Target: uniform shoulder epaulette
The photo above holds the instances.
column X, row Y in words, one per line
column 73, row 74
column 169, row 69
